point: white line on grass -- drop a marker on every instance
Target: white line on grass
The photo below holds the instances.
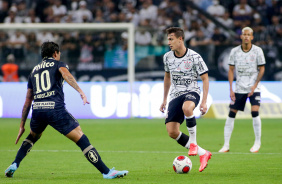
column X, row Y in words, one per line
column 158, row 152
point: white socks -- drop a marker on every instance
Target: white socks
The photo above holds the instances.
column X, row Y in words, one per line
column 228, row 128
column 192, row 134
column 257, row 129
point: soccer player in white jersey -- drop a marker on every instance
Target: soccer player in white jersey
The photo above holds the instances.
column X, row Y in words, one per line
column 248, row 60
column 182, row 68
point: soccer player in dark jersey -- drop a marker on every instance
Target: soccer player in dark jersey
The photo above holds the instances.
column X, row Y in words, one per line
column 45, row 90
column 182, row 68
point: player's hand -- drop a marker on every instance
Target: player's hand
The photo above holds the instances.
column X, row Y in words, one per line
column 21, row 131
column 232, row 96
column 252, row 91
column 84, row 99
column 203, row 108
column 163, row 107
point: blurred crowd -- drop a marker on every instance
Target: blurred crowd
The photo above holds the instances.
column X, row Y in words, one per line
column 150, row 18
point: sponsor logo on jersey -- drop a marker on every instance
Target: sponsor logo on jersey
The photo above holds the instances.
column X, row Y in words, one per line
column 43, row 105
column 92, row 156
column 43, row 64
column 189, row 96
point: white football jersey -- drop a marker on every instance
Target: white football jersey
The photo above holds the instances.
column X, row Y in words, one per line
column 184, row 72
column 246, row 66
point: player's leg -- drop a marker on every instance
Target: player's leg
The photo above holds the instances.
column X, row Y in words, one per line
column 188, row 107
column 92, row 155
column 228, row 129
column 174, row 119
column 37, row 126
column 175, row 133
column 239, row 104
column 255, row 102
column 22, row 152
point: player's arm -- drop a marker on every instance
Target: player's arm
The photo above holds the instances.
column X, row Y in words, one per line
column 203, row 106
column 166, row 90
column 25, row 111
column 72, row 82
column 230, row 79
column 259, row 77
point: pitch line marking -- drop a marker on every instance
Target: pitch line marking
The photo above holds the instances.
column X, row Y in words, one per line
column 158, row 152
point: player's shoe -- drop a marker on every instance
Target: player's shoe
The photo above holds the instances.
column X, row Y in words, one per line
column 224, row 149
column 204, row 160
column 193, row 150
column 11, row 169
column 115, row 174
column 255, row 148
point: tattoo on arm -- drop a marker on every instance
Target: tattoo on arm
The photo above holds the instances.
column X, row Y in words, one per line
column 71, row 81
column 27, row 104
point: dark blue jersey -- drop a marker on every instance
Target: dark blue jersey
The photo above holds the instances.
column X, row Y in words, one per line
column 46, row 81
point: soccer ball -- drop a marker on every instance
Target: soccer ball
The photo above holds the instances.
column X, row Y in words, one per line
column 182, row 164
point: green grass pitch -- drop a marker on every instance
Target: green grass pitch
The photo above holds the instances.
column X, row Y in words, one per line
column 143, row 147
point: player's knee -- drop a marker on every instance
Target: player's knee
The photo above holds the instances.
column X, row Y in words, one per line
column 232, row 114
column 32, row 138
column 255, row 114
column 173, row 134
column 187, row 111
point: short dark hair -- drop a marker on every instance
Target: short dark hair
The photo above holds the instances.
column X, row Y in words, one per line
column 176, row 30
column 48, row 49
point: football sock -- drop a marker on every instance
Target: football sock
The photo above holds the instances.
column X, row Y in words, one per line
column 257, row 127
column 183, row 140
column 191, row 126
column 228, row 128
column 201, row 151
column 92, row 155
column 24, row 149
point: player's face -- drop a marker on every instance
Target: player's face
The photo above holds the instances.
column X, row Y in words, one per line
column 247, row 37
column 173, row 42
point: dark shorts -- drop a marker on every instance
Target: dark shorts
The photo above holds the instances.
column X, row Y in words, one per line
column 241, row 99
column 175, row 112
column 61, row 120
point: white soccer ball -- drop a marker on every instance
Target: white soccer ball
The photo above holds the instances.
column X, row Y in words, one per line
column 182, row 164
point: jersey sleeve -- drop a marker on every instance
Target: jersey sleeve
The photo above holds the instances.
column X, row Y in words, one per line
column 166, row 68
column 29, row 83
column 231, row 60
column 260, row 58
column 201, row 66
column 62, row 64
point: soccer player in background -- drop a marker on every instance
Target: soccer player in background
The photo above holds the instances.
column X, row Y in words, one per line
column 45, row 88
column 248, row 60
column 182, row 68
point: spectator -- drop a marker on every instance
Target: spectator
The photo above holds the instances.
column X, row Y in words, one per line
column 98, row 16
column 22, row 10
column 59, row 9
column 86, row 52
column 32, row 18
column 216, row 9
column 148, row 12
column 70, row 48
column 10, row 70
column 32, row 50
column 200, row 44
column 99, row 48
column 242, row 11
column 4, row 52
column 83, row 14
column 44, row 36
column 219, row 41
column 12, row 17
column 16, row 44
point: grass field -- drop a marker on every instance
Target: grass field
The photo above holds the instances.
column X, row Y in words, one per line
column 143, row 147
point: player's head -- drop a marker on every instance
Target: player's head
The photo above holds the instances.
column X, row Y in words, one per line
column 175, row 36
column 50, row 49
column 247, row 35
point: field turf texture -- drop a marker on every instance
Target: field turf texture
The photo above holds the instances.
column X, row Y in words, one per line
column 143, row 147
